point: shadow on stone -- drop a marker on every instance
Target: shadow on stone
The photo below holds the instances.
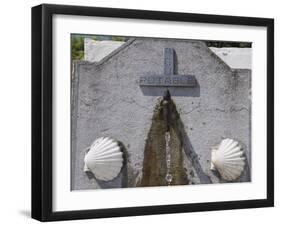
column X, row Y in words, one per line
column 191, row 154
column 247, row 171
column 175, row 91
column 124, row 170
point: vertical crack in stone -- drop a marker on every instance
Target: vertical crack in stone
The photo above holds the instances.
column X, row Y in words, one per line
column 154, row 163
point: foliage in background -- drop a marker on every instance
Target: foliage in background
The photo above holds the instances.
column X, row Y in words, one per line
column 77, row 44
column 228, row 44
column 77, row 47
column 107, row 37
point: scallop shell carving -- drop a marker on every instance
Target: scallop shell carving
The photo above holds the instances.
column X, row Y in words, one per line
column 228, row 159
column 104, row 159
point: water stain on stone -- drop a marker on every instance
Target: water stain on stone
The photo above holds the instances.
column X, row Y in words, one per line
column 154, row 163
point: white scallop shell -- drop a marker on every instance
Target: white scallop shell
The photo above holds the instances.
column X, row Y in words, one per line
column 228, row 159
column 104, row 159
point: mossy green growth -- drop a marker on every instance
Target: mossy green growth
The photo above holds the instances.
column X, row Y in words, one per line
column 154, row 163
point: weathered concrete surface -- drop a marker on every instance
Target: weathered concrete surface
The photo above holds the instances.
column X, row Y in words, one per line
column 107, row 101
column 97, row 50
column 235, row 57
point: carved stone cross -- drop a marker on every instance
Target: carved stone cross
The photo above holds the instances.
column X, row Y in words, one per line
column 169, row 78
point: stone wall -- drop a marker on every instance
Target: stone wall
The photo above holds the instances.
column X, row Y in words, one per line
column 108, row 101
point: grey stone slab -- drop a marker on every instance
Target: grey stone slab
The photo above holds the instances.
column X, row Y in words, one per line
column 235, row 57
column 95, row 51
column 108, row 101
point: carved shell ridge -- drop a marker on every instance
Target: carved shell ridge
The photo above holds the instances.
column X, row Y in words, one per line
column 104, row 159
column 228, row 159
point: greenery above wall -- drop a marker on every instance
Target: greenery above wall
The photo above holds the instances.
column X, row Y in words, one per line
column 220, row 44
column 77, row 44
column 77, row 47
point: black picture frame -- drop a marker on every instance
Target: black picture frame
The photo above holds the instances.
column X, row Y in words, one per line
column 42, row 107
